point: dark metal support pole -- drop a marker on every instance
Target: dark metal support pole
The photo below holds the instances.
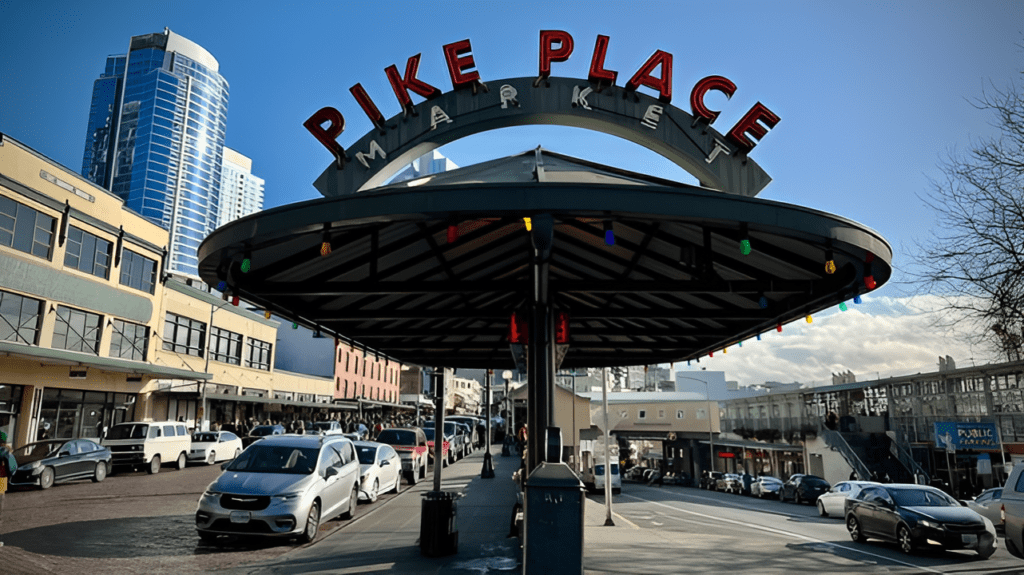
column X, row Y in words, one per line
column 540, row 354
column 488, row 470
column 439, row 391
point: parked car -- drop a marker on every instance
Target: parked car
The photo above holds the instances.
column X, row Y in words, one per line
column 282, row 486
column 832, row 503
column 1012, row 511
column 411, row 445
column 380, row 468
column 916, row 515
column 44, row 463
column 324, row 428
column 766, row 486
column 446, row 446
column 476, row 425
column 989, row 504
column 456, row 439
column 260, row 431
column 150, row 444
column 803, row 489
column 724, row 480
column 599, row 478
column 468, row 434
column 708, row 479
column 213, row 446
column 732, row 483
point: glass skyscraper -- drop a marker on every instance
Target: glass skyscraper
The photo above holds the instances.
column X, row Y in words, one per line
column 156, row 138
column 241, row 193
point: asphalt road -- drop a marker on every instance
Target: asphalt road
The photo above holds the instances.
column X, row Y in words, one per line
column 675, row 529
column 129, row 523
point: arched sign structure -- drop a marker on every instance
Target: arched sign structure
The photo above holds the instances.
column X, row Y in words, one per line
column 719, row 162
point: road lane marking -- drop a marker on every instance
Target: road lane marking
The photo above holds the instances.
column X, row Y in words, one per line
column 628, row 522
column 785, row 533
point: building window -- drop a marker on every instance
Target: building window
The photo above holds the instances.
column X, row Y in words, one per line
column 680, row 414
column 184, row 335
column 20, row 318
column 88, row 253
column 77, row 330
column 138, row 271
column 623, row 414
column 661, row 414
column 225, row 346
column 642, row 414
column 129, row 340
column 25, row 229
column 259, row 354
column 702, row 413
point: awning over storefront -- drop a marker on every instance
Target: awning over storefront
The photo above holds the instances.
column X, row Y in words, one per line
column 50, row 356
column 269, row 400
column 756, row 445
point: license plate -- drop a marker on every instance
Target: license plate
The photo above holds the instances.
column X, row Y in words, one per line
column 240, row 516
column 970, row 539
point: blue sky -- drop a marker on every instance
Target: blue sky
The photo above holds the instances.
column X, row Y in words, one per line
column 871, row 96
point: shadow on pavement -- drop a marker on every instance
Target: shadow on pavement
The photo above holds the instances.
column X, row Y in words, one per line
column 128, row 537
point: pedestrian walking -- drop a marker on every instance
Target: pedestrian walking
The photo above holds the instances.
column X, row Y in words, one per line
column 7, row 467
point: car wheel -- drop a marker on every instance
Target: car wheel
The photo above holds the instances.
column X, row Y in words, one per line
column 181, row 461
column 46, row 478
column 423, row 472
column 797, row 499
column 986, row 547
column 853, row 526
column 904, row 539
column 352, row 500
column 821, row 509
column 101, row 472
column 398, row 485
column 154, row 465
column 238, row 452
column 212, row 458
column 372, row 495
column 312, row 523
column 413, row 476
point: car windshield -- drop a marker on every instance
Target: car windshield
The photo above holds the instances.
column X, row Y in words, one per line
column 367, row 454
column 770, row 480
column 429, row 431
column 921, row 498
column 128, row 431
column 276, row 459
column 322, row 426
column 262, row 431
column 204, row 437
column 397, row 437
column 36, row 451
column 815, row 482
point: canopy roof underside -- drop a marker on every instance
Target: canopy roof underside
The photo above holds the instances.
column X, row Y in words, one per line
column 674, row 286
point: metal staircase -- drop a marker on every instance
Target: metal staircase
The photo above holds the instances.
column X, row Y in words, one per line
column 901, row 449
column 835, row 441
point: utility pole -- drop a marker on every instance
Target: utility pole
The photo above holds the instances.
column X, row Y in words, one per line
column 607, row 452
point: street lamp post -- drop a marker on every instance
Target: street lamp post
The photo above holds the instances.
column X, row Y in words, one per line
column 711, row 429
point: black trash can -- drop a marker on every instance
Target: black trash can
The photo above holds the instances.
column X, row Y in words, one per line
column 439, row 527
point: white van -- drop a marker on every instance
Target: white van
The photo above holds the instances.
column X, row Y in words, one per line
column 599, row 478
column 148, row 443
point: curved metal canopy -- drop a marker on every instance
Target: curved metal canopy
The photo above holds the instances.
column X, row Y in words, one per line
column 674, row 286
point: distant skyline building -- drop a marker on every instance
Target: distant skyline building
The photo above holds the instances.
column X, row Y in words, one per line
column 432, row 162
column 241, row 193
column 156, row 136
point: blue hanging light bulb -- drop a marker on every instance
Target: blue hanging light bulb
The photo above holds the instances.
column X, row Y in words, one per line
column 762, row 301
column 856, row 299
column 609, row 233
column 222, row 285
column 758, row 337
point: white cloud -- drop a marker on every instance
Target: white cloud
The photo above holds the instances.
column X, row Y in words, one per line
column 884, row 336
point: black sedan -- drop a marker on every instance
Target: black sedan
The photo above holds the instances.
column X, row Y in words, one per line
column 260, row 431
column 916, row 515
column 46, row 462
column 803, row 489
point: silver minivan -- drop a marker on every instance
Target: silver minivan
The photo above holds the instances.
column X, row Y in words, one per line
column 282, row 486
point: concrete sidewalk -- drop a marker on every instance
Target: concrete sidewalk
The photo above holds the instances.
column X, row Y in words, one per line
column 387, row 540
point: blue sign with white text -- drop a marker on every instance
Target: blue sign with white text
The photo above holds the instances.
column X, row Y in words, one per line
column 966, row 435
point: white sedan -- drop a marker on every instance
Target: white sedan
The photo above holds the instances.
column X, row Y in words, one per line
column 213, row 446
column 832, row 503
column 380, row 468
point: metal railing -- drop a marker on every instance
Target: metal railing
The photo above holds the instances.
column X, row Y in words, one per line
column 836, row 441
column 901, row 445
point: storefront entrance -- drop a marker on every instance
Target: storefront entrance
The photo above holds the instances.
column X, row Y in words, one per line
column 74, row 413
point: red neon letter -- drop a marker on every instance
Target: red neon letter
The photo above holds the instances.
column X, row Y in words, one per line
column 749, row 124
column 643, row 76
column 548, row 54
column 327, row 136
column 401, row 85
column 368, row 106
column 723, row 85
column 459, row 56
column 598, row 74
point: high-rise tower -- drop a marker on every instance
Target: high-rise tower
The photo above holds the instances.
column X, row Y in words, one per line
column 156, row 138
column 241, row 193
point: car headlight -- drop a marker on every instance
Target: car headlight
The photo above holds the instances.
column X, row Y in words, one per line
column 286, row 497
column 929, row 523
column 30, row 466
column 209, row 494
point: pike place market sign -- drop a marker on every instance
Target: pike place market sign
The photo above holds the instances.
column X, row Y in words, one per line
column 718, row 161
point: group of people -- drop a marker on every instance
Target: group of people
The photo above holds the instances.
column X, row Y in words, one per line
column 366, row 427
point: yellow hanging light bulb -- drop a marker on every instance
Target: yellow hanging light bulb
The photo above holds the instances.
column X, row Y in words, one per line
column 528, row 222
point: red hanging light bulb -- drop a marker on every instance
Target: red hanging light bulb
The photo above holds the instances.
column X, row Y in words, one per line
column 453, row 234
